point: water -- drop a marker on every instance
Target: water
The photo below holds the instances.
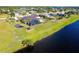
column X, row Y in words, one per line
column 65, row 40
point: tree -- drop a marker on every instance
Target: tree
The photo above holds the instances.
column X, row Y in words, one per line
column 26, row 42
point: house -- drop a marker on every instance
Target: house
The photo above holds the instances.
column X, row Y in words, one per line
column 16, row 18
column 33, row 22
column 31, row 16
column 32, row 19
column 62, row 13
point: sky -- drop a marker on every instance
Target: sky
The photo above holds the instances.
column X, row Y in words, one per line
column 39, row 2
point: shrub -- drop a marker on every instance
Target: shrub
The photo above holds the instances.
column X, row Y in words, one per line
column 26, row 42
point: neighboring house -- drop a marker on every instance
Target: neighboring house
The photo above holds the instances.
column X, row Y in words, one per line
column 16, row 18
column 61, row 13
column 13, row 18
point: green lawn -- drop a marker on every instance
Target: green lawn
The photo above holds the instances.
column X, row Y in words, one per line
column 11, row 37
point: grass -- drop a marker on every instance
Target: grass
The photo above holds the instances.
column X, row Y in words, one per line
column 11, row 37
column 3, row 15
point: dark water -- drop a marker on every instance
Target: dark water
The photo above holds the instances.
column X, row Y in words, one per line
column 65, row 40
